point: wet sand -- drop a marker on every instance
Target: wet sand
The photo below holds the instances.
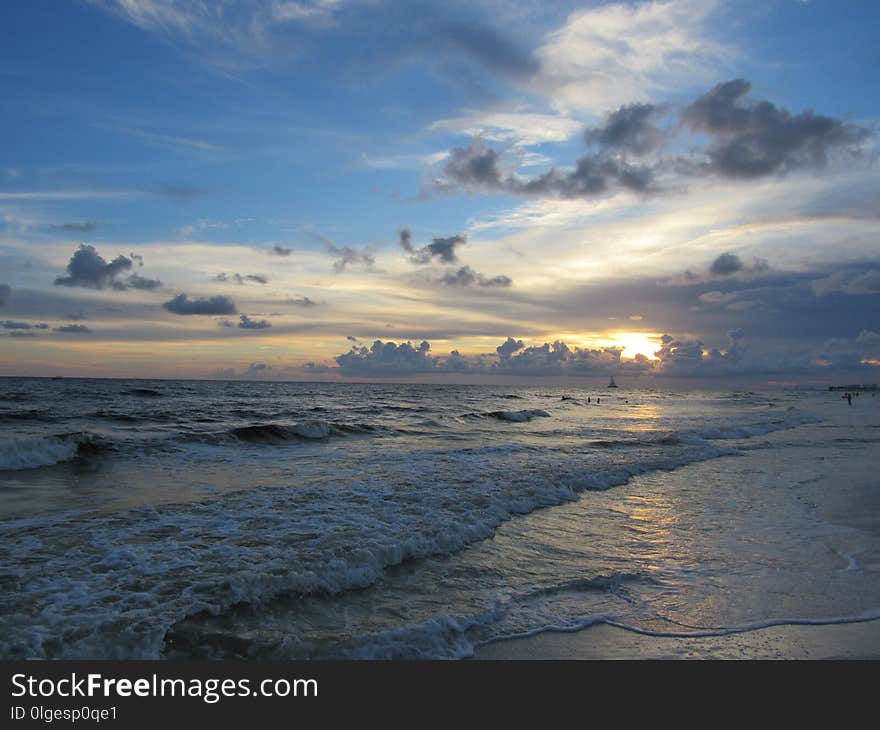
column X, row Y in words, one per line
column 847, row 496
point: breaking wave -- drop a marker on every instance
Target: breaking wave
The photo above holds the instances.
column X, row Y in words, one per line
column 33, row 452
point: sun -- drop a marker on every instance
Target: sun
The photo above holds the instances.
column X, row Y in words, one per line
column 637, row 343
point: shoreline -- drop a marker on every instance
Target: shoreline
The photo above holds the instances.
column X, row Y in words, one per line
column 853, row 641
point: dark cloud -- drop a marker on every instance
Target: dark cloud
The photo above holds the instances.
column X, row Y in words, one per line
column 9, row 324
column 466, row 276
column 508, row 347
column 746, row 140
column 726, row 265
column 73, row 329
column 86, row 227
column 441, row 249
column 182, row 304
column 477, row 166
column 301, row 302
column 593, row 175
column 21, row 333
column 722, row 267
column 754, row 139
column 87, row 268
column 406, row 240
column 629, row 129
column 247, row 323
column 242, row 278
column 5, row 294
column 280, row 250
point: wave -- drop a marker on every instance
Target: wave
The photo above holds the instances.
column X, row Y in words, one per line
column 34, row 414
column 452, row 637
column 666, row 439
column 512, row 416
column 33, row 452
column 144, row 392
column 309, row 430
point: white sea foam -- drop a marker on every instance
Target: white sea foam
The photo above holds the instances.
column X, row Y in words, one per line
column 31, row 452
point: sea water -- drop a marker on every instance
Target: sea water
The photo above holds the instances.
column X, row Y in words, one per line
column 150, row 519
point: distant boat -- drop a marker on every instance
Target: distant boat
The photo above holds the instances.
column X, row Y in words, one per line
column 612, row 384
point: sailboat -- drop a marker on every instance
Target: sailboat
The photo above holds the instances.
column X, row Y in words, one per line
column 612, row 384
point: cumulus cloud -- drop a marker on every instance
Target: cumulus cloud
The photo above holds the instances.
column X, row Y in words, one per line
column 280, row 250
column 182, row 304
column 850, row 354
column 87, row 268
column 752, row 139
column 247, row 323
column 76, row 329
column 676, row 357
column 386, row 358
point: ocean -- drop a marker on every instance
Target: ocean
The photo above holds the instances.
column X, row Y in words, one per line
column 204, row 519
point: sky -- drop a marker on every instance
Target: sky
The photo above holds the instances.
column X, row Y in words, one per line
column 441, row 191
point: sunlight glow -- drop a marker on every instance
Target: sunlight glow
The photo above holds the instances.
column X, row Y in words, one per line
column 637, row 343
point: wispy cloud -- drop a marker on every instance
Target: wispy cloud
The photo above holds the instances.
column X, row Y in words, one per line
column 614, row 53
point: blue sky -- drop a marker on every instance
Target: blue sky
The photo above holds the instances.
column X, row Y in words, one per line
column 574, row 148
